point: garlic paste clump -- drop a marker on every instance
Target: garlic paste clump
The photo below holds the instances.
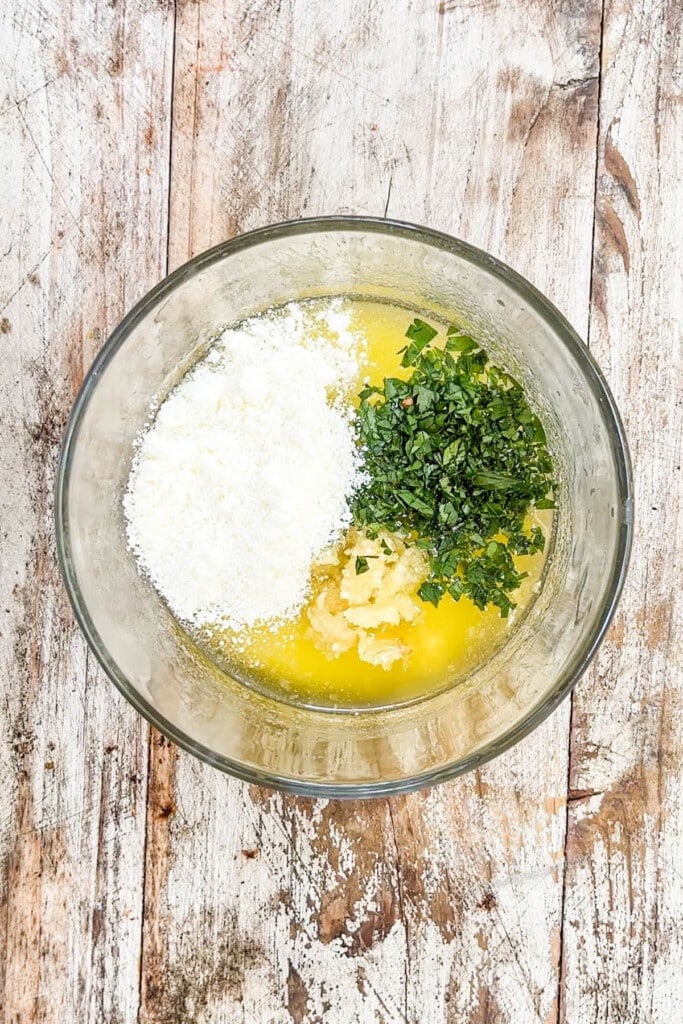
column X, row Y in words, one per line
column 366, row 588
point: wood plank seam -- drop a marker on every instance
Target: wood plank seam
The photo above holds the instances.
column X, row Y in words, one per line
column 569, row 797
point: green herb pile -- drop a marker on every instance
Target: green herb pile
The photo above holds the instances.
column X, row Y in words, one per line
column 455, row 459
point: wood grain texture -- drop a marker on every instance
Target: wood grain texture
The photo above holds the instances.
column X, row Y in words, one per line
column 85, row 91
column 138, row 886
column 435, row 907
column 622, row 943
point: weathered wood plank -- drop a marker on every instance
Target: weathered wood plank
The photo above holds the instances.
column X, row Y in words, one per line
column 84, row 157
column 479, row 119
column 622, row 944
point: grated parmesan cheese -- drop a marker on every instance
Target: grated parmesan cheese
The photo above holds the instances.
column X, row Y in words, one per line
column 245, row 474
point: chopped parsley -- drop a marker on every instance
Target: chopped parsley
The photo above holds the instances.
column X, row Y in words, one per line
column 362, row 561
column 455, row 460
column 420, row 335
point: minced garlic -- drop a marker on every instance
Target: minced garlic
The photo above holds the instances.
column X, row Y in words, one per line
column 355, row 608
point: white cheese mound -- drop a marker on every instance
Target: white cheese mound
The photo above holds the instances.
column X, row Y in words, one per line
column 245, row 474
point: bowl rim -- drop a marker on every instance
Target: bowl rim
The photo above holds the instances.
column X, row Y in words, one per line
column 594, row 379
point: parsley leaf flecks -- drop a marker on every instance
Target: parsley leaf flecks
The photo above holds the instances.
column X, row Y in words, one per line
column 456, row 459
column 420, row 335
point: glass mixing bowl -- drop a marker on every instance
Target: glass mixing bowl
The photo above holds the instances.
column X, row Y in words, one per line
column 344, row 753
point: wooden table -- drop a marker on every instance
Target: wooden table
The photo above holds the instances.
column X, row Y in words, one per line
column 139, row 885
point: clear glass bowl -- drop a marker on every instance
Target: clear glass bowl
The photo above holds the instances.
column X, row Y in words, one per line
column 342, row 753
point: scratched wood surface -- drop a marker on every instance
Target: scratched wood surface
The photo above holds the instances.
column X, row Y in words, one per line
column 138, row 885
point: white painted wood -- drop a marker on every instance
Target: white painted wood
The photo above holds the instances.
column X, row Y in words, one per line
column 623, row 951
column 85, row 90
column 449, row 906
